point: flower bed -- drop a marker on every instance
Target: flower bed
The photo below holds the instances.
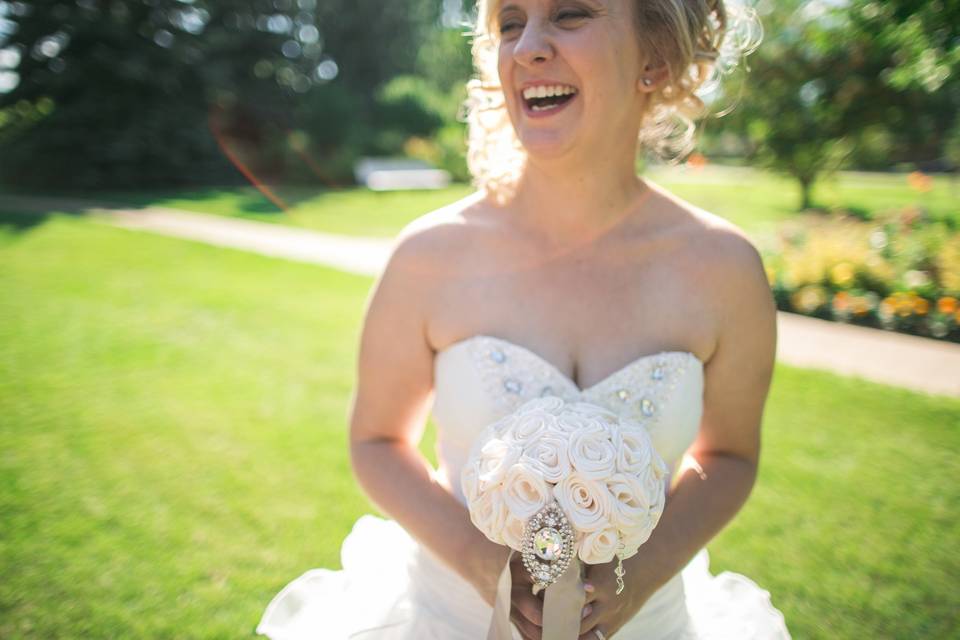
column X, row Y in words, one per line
column 899, row 271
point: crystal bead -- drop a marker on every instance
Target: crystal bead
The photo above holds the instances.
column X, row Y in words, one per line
column 657, row 372
column 546, row 391
column 646, row 407
column 548, row 543
column 498, row 356
column 623, row 394
column 511, row 385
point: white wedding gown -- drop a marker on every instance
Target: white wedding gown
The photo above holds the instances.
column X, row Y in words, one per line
column 392, row 588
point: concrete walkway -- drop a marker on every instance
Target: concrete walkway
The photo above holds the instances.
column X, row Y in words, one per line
column 920, row 364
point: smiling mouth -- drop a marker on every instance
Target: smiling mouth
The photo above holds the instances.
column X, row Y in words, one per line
column 544, row 104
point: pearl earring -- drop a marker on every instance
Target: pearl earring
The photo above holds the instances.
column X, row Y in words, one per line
column 647, row 82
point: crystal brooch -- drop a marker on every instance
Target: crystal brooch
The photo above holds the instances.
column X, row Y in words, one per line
column 547, row 545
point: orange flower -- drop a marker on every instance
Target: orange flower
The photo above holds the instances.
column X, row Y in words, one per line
column 921, row 306
column 920, row 181
column 696, row 160
column 841, row 301
column 947, row 304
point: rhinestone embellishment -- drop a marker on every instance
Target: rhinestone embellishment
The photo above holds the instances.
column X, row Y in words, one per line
column 547, row 545
column 646, row 407
column 640, row 390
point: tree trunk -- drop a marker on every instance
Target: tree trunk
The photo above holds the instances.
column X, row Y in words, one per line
column 806, row 193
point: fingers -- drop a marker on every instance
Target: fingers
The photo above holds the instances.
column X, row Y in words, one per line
column 527, row 605
column 528, row 630
column 589, row 622
column 590, row 593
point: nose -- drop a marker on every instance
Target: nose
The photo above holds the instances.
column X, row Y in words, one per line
column 534, row 46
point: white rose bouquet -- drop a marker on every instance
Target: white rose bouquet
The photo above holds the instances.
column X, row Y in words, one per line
column 556, row 481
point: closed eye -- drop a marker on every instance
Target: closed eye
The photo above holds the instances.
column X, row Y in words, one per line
column 571, row 15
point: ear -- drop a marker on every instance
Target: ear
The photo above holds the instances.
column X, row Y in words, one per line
column 652, row 77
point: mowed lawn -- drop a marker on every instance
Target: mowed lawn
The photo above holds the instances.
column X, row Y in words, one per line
column 173, row 450
column 754, row 199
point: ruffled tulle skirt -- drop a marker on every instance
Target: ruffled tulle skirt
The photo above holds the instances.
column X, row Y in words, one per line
column 392, row 588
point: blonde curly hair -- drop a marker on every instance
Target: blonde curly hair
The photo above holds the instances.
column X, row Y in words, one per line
column 699, row 40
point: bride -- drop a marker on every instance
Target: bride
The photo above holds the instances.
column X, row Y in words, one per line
column 566, row 274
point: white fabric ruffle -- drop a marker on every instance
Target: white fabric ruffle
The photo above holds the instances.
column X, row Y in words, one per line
column 392, row 588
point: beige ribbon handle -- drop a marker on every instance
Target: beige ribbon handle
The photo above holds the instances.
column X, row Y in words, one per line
column 562, row 603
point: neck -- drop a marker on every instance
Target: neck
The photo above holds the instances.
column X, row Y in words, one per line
column 569, row 203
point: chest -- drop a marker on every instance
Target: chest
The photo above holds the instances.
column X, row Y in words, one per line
column 587, row 313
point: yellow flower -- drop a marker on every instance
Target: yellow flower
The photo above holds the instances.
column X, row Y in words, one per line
column 921, row 306
column 860, row 305
column 771, row 275
column 842, row 274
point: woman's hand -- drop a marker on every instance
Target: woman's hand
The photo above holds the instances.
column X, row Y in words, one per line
column 605, row 609
column 526, row 609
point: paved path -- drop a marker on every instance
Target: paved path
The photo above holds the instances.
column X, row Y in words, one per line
column 920, row 364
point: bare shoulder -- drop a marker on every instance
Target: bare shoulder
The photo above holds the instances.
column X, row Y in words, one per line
column 431, row 238
column 728, row 269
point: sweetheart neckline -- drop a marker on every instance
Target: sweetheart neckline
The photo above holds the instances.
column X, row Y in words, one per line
column 530, row 352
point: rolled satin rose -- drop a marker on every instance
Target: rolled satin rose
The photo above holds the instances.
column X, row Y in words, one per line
column 488, row 513
column 599, row 546
column 524, row 490
column 529, row 428
column 548, row 455
column 591, row 451
column 496, row 457
column 586, row 502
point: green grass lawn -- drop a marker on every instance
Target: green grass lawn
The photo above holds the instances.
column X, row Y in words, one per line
column 173, row 451
column 755, row 200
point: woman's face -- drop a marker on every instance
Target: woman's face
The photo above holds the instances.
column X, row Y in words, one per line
column 570, row 72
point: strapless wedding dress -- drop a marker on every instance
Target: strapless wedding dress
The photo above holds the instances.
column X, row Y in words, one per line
column 393, row 588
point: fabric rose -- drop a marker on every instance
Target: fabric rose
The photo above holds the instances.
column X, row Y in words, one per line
column 599, row 546
column 524, row 490
column 470, row 481
column 512, row 531
column 528, row 428
column 634, row 454
column 585, row 501
column 591, row 451
column 631, row 501
column 548, row 456
column 489, row 514
column 496, row 457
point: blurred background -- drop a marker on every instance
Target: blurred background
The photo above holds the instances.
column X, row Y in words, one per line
column 172, row 413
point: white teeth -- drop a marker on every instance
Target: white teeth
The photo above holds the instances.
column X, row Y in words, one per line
column 539, row 108
column 544, row 91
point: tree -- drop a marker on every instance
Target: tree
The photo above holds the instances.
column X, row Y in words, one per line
column 831, row 85
column 164, row 92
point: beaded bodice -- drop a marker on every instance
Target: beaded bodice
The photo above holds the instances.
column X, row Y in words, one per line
column 482, row 378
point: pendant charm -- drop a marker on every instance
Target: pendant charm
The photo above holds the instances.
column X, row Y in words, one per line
column 547, row 545
column 620, row 571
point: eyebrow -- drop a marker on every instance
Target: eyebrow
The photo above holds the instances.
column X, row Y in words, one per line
column 504, row 8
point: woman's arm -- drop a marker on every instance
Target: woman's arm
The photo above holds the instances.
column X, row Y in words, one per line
column 737, row 379
column 389, row 407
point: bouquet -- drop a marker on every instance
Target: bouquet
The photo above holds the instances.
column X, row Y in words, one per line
column 559, row 482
